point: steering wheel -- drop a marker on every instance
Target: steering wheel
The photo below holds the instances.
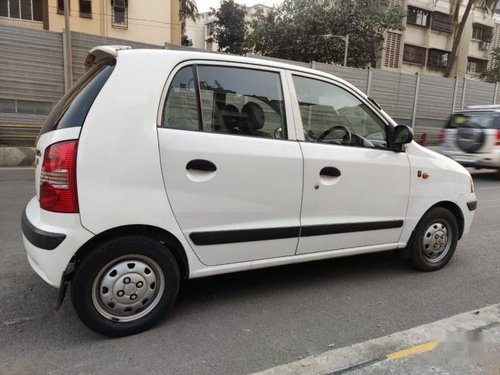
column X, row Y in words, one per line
column 347, row 138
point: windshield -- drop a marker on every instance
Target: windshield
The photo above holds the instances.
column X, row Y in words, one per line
column 485, row 120
column 72, row 109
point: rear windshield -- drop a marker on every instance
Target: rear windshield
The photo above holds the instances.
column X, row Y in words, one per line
column 484, row 120
column 72, row 109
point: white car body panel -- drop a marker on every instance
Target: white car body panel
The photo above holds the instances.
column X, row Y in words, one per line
column 448, row 182
column 364, row 193
column 257, row 184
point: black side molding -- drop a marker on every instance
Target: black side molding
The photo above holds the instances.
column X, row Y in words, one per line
column 319, row 230
column 472, row 205
column 262, row 234
column 244, row 235
column 40, row 238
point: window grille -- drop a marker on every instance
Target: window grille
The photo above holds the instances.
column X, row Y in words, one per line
column 442, row 22
column 392, row 48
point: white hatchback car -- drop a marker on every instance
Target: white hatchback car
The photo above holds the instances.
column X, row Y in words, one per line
column 161, row 165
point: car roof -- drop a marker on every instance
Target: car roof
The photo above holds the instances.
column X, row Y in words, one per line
column 184, row 55
column 495, row 108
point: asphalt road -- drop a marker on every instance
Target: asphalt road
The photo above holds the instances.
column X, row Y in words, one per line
column 243, row 322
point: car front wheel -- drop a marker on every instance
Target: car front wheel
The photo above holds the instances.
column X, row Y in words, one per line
column 434, row 240
column 125, row 286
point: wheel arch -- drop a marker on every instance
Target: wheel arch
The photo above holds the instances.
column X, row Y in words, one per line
column 161, row 235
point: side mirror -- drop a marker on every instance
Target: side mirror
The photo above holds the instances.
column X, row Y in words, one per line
column 402, row 135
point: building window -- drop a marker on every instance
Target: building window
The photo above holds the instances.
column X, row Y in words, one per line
column 441, row 22
column 417, row 16
column 392, row 48
column 30, row 10
column 437, row 58
column 86, row 8
column 414, row 55
column 120, row 13
column 476, row 66
column 482, row 32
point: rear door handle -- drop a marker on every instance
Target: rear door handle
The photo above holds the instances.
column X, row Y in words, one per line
column 201, row 165
column 330, row 172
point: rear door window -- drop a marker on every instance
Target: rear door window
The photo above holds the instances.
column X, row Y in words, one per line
column 72, row 109
column 483, row 120
column 224, row 99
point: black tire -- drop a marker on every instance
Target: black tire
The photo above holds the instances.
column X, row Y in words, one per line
column 436, row 225
column 133, row 266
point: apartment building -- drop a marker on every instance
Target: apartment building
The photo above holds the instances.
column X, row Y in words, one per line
column 154, row 22
column 200, row 31
column 425, row 44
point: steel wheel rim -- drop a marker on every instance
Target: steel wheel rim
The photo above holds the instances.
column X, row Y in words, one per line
column 128, row 288
column 437, row 241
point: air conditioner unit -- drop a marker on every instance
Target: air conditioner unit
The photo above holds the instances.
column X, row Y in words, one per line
column 484, row 46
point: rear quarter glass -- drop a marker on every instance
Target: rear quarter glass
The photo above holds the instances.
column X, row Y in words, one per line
column 72, row 109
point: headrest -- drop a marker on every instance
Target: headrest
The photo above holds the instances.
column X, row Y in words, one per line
column 255, row 118
column 231, row 116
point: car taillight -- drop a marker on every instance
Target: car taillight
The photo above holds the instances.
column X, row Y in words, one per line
column 58, row 178
column 442, row 135
column 498, row 138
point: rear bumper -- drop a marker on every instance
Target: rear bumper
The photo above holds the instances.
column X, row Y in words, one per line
column 40, row 238
column 51, row 239
column 478, row 160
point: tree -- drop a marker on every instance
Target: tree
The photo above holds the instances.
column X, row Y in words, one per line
column 492, row 74
column 187, row 10
column 302, row 30
column 459, row 26
column 230, row 27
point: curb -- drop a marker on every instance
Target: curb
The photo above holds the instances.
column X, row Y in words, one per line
column 397, row 345
column 17, row 156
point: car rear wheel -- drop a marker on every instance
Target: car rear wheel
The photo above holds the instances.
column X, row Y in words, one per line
column 125, row 286
column 434, row 240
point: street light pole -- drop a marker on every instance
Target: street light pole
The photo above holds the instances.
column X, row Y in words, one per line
column 68, row 61
column 346, row 41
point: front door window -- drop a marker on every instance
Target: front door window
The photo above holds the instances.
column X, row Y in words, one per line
column 332, row 115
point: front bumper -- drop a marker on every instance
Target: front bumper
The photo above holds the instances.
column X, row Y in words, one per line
column 468, row 204
column 51, row 239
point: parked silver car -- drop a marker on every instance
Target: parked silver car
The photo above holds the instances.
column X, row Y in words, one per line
column 472, row 137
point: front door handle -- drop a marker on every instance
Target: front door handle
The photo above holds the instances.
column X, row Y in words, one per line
column 330, row 172
column 201, row 165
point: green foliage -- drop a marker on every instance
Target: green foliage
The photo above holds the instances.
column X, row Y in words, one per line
column 493, row 74
column 230, row 27
column 185, row 41
column 187, row 10
column 298, row 30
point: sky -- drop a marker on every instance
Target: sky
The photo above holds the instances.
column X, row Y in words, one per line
column 204, row 5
